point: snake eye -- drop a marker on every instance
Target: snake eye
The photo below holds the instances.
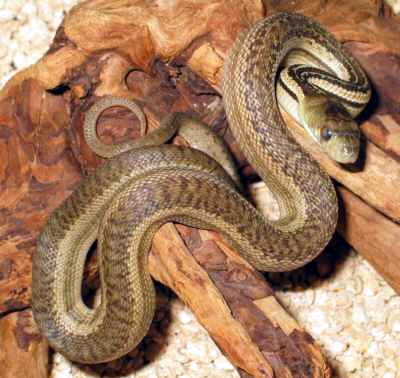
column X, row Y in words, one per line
column 326, row 133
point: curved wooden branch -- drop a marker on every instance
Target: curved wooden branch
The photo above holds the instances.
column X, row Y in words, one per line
column 235, row 304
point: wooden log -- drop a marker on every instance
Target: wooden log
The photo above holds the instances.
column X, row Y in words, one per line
column 235, row 304
column 384, row 132
column 373, row 235
column 37, row 171
column 381, row 120
column 23, row 352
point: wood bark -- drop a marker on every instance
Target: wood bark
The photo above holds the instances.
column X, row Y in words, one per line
column 168, row 63
column 371, row 233
column 24, row 352
column 234, row 303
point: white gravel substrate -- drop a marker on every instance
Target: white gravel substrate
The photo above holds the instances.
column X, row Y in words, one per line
column 354, row 315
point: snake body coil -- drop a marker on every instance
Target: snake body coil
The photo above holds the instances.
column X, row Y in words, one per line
column 130, row 196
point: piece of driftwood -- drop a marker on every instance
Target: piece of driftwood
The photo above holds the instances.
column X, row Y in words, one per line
column 374, row 235
column 121, row 48
column 235, row 304
column 23, row 352
column 37, row 171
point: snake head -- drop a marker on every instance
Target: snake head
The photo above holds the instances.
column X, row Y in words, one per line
column 332, row 126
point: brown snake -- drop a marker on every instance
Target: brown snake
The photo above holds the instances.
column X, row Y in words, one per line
column 129, row 197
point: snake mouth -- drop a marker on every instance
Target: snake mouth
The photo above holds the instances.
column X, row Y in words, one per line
column 347, row 159
column 346, row 154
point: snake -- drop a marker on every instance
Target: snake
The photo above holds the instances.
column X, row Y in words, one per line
column 284, row 62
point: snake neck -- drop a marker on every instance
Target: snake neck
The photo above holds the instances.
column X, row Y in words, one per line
column 304, row 192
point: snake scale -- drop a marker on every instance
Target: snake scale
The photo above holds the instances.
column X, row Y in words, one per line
column 130, row 196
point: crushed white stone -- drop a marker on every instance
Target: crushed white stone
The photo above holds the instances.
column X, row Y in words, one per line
column 185, row 317
column 394, row 5
column 354, row 315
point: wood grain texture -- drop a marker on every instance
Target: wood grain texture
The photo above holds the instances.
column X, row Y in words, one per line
column 37, row 171
column 24, row 352
column 373, row 235
column 235, row 304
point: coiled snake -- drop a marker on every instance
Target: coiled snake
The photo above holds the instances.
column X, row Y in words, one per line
column 127, row 199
